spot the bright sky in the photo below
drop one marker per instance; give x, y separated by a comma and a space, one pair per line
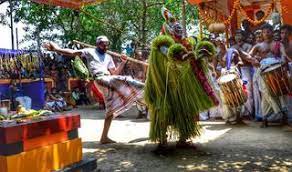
5, 32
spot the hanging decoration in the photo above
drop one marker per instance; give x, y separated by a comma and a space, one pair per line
217, 27
256, 22
215, 23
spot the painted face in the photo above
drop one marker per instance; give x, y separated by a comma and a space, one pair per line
177, 30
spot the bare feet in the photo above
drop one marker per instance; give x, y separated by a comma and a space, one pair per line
264, 124
106, 141
240, 122
141, 115
186, 145
161, 149
284, 122
227, 122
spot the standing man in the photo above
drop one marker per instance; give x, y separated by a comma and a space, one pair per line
119, 91
246, 71
268, 52
285, 32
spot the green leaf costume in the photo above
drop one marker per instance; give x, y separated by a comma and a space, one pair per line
174, 93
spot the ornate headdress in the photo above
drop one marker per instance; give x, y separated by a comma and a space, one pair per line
171, 26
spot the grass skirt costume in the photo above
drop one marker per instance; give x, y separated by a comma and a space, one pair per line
176, 90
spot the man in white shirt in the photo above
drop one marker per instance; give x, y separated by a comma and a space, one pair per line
119, 92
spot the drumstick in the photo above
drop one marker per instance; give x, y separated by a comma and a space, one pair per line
112, 53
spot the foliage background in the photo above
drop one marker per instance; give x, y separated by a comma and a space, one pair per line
137, 21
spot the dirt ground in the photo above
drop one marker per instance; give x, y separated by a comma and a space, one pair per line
220, 147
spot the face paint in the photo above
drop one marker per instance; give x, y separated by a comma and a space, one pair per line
176, 30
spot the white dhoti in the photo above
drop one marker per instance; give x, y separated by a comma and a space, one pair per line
272, 107
246, 76
289, 97
215, 112
257, 96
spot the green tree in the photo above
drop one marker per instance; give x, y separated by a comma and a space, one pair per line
121, 20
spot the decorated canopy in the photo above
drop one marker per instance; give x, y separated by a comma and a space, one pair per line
225, 9
73, 4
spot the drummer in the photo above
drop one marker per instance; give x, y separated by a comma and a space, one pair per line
246, 71
269, 52
231, 62
286, 33
119, 92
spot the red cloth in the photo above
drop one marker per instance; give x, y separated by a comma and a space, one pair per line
276, 49
200, 75
96, 92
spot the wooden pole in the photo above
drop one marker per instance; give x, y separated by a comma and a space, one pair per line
112, 53
184, 18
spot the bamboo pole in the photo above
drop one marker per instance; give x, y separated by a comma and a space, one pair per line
112, 53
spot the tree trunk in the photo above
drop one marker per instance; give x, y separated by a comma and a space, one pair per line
38, 40
11, 24
143, 24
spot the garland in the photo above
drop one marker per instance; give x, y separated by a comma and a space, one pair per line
236, 7
256, 22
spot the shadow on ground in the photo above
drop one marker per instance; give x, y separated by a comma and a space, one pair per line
220, 148
93, 113
242, 148
125, 157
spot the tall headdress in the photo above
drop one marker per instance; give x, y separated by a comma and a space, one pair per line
171, 26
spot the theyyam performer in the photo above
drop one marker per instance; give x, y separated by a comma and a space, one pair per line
177, 87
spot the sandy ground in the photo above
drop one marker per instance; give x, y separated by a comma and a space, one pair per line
220, 148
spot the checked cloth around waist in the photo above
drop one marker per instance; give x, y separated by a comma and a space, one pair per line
119, 92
